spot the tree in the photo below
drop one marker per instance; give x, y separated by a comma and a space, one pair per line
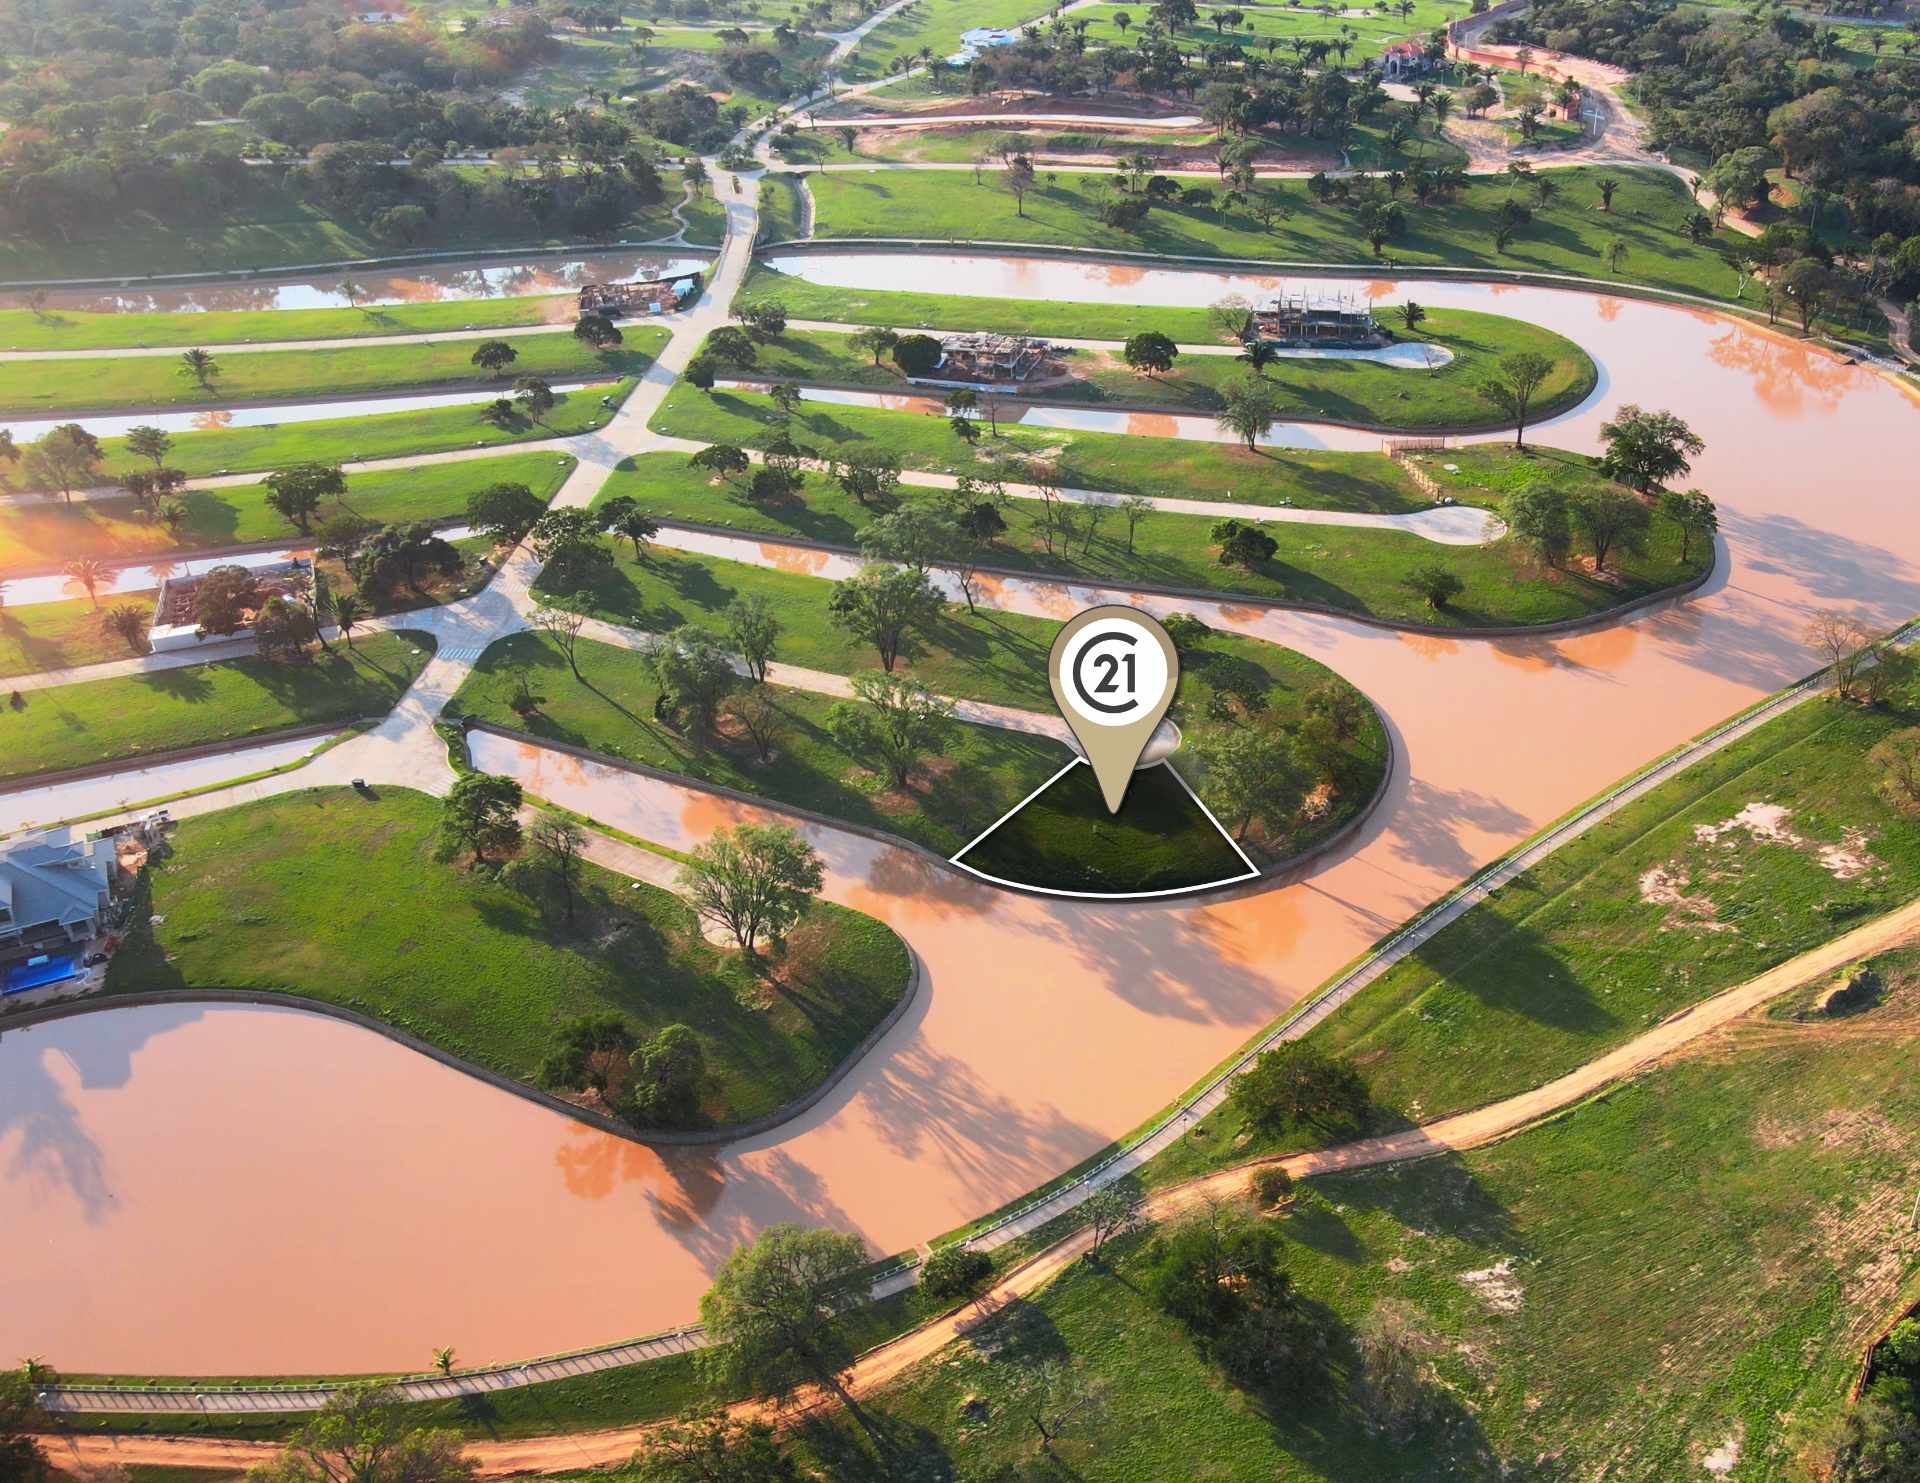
561, 621
585, 1052
1054, 1395
871, 477
1606, 185
480, 816
666, 1073
21, 1456
494, 356
1514, 383
1616, 254
700, 373
572, 544
1297, 1083
884, 605
64, 458
622, 516
895, 719
875, 341
1150, 352
598, 331
756, 881
1114, 1209
1242, 544
1611, 517
443, 1359
535, 397
1251, 774
149, 442
560, 844
296, 493
916, 355
504, 512
710, 1447
765, 319
1694, 514
733, 346
777, 1310
1645, 450
198, 366
722, 459
130, 621
395, 552
1391, 1387
361, 1436
223, 600
89, 575
694, 670
1249, 409
1538, 516
916, 536
348, 614
1133, 509
282, 630
1019, 179
1739, 178
754, 629
754, 713
1897, 758
1845, 646
1412, 315
1435, 583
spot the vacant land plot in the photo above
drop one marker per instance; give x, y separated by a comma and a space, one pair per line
114, 382
122, 720
356, 912
1571, 234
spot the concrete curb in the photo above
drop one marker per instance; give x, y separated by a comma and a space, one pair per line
1605, 618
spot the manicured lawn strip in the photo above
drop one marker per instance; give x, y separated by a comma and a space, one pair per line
81, 329
124, 719
1352, 391
899, 309
117, 381
988, 771
782, 214
1571, 959
1348, 569
1160, 840
1571, 235
359, 914
991, 656
235, 515
54, 635
1117, 463
1549, 1276
351, 439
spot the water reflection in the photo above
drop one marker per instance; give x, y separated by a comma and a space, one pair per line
417, 285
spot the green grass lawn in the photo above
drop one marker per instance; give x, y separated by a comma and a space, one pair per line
1695, 1260
1350, 570
1368, 34
1160, 840
1669, 901
352, 439
232, 515
1352, 391
356, 912
114, 382
1118, 463
125, 719
782, 214
1571, 235
80, 329
53, 635
984, 775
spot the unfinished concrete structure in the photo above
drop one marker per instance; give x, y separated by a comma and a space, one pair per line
986, 362
1295, 320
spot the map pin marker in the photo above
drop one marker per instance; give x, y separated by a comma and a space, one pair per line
1113, 670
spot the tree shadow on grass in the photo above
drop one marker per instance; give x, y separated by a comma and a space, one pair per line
188, 684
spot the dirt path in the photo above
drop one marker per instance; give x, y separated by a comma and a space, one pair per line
881, 1366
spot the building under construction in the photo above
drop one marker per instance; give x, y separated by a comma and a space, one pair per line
654, 296
1296, 320
982, 360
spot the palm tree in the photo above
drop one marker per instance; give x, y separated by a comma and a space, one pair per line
348, 614
443, 1359
1606, 185
90, 574
197, 365
1616, 255
1259, 354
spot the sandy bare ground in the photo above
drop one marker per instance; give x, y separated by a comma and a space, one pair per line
888, 1362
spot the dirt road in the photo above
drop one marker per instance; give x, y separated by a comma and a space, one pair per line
886, 1363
